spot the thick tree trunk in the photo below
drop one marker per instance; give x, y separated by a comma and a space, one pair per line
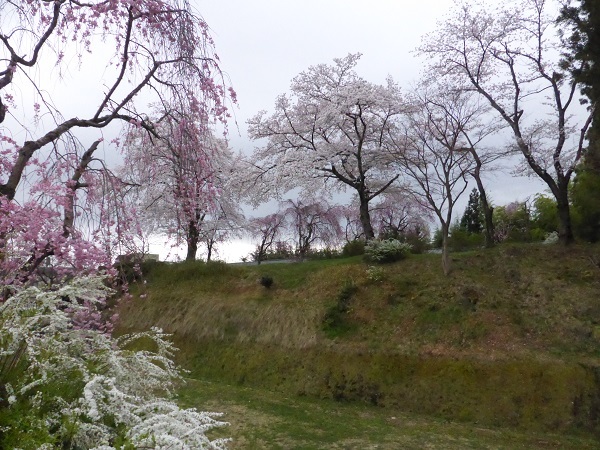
488, 214
193, 236
445, 256
565, 230
302, 253
365, 219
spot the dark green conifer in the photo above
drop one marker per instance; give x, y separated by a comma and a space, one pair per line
472, 219
581, 57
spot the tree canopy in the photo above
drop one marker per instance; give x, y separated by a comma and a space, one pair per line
70, 210
507, 55
328, 133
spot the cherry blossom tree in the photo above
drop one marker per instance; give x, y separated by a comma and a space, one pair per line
183, 187
507, 53
353, 229
470, 115
61, 205
328, 133
267, 229
429, 155
398, 215
312, 223
59, 200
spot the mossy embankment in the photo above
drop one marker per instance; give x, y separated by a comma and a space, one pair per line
510, 338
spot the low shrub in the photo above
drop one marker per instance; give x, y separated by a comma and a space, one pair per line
375, 274
66, 385
386, 251
266, 281
323, 253
334, 321
354, 248
461, 240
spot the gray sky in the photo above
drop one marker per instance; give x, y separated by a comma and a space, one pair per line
263, 44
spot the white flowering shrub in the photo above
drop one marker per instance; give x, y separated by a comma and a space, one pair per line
551, 238
386, 251
64, 386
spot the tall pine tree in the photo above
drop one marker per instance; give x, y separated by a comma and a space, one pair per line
472, 219
582, 58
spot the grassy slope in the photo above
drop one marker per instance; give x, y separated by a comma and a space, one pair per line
510, 338
260, 419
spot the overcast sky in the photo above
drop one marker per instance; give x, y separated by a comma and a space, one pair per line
263, 44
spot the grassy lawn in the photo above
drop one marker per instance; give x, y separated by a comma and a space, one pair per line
510, 339
262, 419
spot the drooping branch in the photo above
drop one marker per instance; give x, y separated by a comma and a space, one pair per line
36, 259
160, 48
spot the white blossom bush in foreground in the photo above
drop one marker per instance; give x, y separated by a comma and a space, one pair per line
64, 386
386, 251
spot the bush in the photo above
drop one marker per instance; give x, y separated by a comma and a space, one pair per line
386, 251
334, 321
419, 243
354, 248
266, 281
461, 240
67, 386
323, 253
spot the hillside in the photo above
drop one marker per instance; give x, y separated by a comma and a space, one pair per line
510, 338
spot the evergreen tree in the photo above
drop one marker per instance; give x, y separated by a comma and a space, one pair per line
472, 219
582, 58
585, 199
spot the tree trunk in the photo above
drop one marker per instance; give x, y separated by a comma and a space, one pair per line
193, 236
209, 248
488, 215
301, 253
365, 219
565, 230
488, 211
445, 257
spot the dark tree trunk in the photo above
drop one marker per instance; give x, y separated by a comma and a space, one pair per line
565, 230
488, 211
488, 215
445, 256
209, 248
193, 236
490, 231
302, 253
365, 219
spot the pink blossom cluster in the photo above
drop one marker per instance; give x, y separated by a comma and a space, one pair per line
63, 212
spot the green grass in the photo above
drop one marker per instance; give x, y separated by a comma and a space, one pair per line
262, 419
510, 338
